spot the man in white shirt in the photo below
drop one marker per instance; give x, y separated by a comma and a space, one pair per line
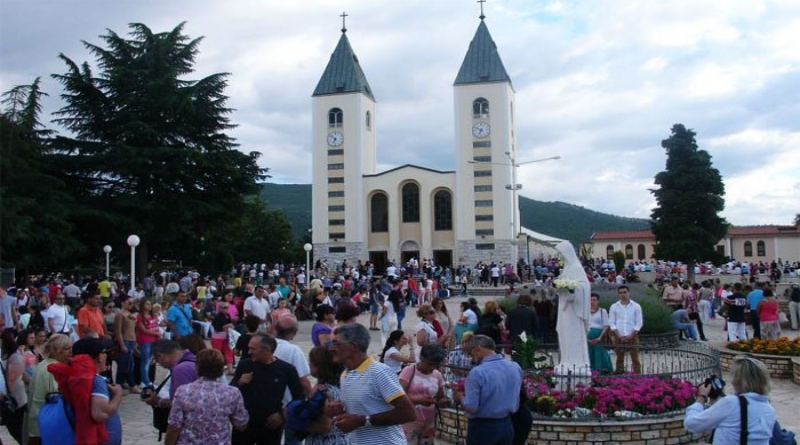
137, 293
625, 320
273, 297
258, 306
57, 316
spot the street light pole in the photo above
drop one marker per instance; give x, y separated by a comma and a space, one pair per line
107, 250
307, 247
133, 241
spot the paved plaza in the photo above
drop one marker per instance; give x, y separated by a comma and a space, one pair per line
137, 417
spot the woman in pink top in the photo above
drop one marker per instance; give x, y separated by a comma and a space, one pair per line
424, 385
768, 315
232, 311
147, 333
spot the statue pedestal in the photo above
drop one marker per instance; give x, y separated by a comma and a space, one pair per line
567, 376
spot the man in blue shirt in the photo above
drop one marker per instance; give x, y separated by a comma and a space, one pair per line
753, 298
491, 395
179, 317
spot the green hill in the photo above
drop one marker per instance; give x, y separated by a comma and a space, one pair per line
557, 219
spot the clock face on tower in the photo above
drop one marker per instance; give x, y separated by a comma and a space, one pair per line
480, 130
335, 138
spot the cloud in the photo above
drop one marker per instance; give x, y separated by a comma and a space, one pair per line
599, 83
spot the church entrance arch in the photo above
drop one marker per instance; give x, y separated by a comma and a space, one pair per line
409, 249
378, 260
443, 258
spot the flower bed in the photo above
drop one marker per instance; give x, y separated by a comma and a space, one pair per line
622, 397
779, 366
781, 346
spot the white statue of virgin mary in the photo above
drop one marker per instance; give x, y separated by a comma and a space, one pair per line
573, 316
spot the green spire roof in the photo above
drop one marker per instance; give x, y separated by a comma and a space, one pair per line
343, 73
482, 62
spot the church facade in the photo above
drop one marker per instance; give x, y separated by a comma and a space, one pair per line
456, 217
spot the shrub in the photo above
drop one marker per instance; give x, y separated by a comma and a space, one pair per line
656, 316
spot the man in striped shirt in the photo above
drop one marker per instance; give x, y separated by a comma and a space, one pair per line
373, 404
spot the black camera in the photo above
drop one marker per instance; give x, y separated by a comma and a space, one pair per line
716, 384
147, 392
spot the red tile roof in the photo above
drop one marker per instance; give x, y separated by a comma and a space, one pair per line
623, 234
737, 231
763, 230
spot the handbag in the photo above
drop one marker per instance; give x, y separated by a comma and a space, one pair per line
9, 404
161, 414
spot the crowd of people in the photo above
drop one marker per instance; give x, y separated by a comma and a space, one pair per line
236, 376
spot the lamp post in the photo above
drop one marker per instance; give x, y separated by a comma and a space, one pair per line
514, 187
307, 247
107, 250
133, 241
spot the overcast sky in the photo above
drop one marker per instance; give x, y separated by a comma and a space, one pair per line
599, 83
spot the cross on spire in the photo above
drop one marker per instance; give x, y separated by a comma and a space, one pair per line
481, 3
344, 15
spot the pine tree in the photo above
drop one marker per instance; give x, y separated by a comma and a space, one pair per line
150, 149
689, 197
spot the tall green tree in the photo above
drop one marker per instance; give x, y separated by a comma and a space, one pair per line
149, 149
689, 197
35, 233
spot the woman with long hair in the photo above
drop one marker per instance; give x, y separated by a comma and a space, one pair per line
321, 332
327, 372
391, 355
491, 322
25, 345
13, 368
57, 349
147, 333
598, 331
445, 322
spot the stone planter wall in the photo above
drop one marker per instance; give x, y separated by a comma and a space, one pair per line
796, 370
664, 431
779, 366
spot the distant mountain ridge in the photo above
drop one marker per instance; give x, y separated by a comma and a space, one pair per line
558, 219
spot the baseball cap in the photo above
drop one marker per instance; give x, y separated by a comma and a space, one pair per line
92, 346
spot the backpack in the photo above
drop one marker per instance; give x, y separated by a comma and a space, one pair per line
796, 294
301, 413
781, 436
56, 421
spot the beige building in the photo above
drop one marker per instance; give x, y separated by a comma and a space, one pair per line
742, 243
455, 217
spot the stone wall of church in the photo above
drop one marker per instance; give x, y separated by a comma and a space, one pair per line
470, 254
353, 253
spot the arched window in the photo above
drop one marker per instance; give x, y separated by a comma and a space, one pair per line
748, 248
410, 202
480, 108
609, 252
442, 210
761, 248
628, 252
640, 254
368, 120
335, 117
379, 213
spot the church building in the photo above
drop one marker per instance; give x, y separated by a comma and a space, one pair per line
456, 217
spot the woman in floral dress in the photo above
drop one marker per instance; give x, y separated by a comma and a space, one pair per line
203, 411
424, 385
